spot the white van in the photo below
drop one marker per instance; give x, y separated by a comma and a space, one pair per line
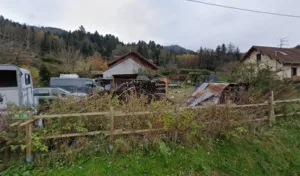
16, 85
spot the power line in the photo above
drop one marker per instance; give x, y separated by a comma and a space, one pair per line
242, 9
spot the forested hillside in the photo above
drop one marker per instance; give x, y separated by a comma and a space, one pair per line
80, 51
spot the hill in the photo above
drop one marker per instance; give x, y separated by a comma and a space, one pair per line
32, 47
52, 29
179, 50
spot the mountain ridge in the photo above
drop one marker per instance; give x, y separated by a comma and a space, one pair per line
179, 49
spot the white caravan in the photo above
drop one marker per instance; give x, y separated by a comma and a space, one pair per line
16, 85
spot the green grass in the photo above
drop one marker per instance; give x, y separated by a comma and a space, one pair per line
274, 151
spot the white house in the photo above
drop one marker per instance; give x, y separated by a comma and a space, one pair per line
284, 60
127, 65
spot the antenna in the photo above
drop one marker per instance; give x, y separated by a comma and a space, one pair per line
283, 42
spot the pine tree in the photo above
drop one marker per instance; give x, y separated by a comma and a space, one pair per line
237, 53
45, 75
223, 49
46, 43
218, 50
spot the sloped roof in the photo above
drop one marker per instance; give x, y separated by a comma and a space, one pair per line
205, 92
283, 55
139, 58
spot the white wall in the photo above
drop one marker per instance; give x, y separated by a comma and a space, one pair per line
128, 66
265, 60
273, 63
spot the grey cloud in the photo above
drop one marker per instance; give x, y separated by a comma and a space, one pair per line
165, 21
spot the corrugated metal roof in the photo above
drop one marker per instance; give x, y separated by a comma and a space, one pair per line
216, 88
207, 92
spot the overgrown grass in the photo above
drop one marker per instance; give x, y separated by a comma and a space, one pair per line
264, 151
181, 94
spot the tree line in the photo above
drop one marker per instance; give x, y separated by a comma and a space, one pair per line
19, 41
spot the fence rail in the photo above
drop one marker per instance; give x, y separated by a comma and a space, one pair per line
112, 114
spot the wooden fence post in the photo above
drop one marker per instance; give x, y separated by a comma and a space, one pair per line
228, 105
176, 111
29, 157
228, 112
271, 109
112, 126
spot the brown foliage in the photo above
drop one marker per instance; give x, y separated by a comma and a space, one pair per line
97, 63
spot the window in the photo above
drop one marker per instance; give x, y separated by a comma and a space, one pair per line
258, 57
294, 71
41, 92
57, 92
27, 79
89, 84
8, 78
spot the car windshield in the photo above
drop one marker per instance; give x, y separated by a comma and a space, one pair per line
65, 91
59, 92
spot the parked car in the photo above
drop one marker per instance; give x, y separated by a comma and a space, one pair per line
16, 85
84, 85
50, 93
103, 84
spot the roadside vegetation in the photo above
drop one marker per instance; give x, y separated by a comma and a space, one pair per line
209, 141
267, 151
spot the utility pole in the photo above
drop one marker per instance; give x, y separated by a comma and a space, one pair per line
283, 42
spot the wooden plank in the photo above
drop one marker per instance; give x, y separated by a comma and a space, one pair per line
289, 114
16, 123
224, 106
93, 133
120, 114
287, 101
249, 105
203, 107
271, 114
107, 133
29, 143
120, 132
112, 126
228, 112
176, 114
64, 115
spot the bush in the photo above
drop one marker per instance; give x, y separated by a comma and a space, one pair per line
51, 60
192, 125
260, 81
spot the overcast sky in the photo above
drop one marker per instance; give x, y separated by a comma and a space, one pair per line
167, 22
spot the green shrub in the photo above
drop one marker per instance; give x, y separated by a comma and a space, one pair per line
260, 81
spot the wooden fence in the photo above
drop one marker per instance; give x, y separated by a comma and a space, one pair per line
112, 114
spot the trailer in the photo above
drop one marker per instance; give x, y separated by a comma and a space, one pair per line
16, 86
